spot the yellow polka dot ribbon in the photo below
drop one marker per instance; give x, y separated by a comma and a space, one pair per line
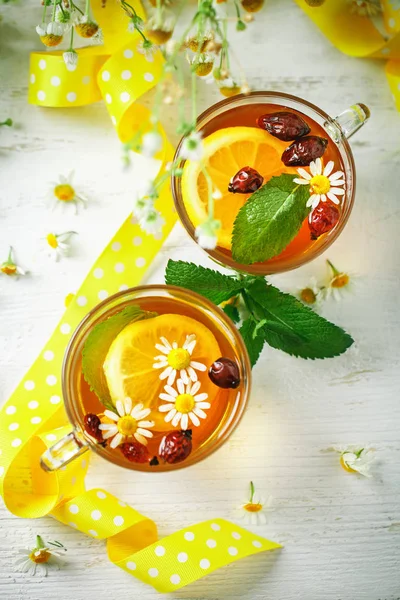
33, 419
363, 37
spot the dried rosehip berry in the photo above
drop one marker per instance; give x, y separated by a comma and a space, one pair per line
246, 181
224, 373
284, 125
304, 151
92, 423
322, 219
135, 452
176, 446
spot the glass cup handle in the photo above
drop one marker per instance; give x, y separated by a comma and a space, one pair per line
348, 122
62, 452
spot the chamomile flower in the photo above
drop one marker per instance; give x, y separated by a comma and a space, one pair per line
9, 266
312, 293
184, 404
176, 360
40, 559
365, 8
127, 422
229, 87
41, 29
153, 222
192, 147
86, 27
70, 58
206, 234
324, 185
63, 191
356, 459
252, 511
151, 143
148, 49
339, 283
55, 28
57, 244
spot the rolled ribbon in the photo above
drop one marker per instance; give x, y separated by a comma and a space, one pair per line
358, 36
33, 419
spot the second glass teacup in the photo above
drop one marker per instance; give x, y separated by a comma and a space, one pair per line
234, 140
137, 383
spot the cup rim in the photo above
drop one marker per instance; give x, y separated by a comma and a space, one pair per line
226, 260
196, 300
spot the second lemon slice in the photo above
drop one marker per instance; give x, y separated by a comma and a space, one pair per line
226, 152
129, 364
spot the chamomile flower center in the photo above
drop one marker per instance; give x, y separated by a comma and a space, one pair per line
64, 192
40, 555
52, 240
253, 507
185, 403
127, 425
178, 358
345, 465
308, 296
320, 184
9, 269
340, 281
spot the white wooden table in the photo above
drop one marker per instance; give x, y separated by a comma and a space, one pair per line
341, 533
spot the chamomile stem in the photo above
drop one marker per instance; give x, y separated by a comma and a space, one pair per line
87, 7
194, 98
334, 269
53, 17
71, 40
44, 12
252, 490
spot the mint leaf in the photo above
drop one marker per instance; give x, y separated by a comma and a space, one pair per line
213, 285
292, 327
232, 312
253, 340
97, 345
269, 220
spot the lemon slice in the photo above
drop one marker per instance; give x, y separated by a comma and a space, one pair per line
129, 369
226, 152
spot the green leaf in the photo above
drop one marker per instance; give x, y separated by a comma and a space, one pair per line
98, 343
269, 220
213, 285
253, 340
232, 312
292, 327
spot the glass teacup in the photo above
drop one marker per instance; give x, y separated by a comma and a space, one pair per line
243, 111
180, 324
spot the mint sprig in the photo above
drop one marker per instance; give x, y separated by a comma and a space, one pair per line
270, 316
97, 345
269, 220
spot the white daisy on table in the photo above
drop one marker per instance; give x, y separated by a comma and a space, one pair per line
324, 185
184, 404
339, 282
63, 191
253, 509
9, 267
175, 359
356, 459
57, 244
312, 293
38, 560
127, 423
